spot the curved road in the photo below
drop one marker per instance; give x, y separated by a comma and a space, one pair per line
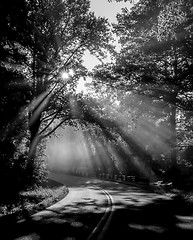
96, 209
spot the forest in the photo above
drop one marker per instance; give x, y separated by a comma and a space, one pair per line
136, 116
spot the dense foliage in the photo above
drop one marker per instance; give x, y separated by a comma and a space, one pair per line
138, 112
153, 71
39, 40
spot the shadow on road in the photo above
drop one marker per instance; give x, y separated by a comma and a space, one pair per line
53, 224
158, 219
137, 214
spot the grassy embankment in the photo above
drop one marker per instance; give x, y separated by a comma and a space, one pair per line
35, 200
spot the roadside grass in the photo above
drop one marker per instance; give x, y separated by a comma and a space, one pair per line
35, 200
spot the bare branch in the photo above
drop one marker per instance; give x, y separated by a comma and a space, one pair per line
47, 117
54, 117
72, 54
54, 129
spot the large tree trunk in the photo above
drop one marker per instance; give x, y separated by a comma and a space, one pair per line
173, 136
34, 128
173, 103
174, 171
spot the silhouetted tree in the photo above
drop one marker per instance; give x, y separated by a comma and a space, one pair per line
40, 40
155, 58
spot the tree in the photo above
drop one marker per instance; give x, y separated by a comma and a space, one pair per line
107, 138
155, 60
71, 29
40, 40
15, 93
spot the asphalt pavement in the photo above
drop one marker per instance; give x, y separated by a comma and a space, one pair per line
136, 213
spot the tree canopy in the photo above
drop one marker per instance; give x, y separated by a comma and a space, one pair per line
155, 62
139, 106
39, 41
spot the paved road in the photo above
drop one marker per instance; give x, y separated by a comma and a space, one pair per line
136, 213
139, 213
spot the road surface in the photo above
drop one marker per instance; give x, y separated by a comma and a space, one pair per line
96, 209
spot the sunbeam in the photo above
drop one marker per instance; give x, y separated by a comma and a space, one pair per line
108, 140
67, 151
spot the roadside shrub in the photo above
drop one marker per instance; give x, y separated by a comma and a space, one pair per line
15, 174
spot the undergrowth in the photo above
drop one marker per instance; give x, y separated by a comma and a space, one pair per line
34, 200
